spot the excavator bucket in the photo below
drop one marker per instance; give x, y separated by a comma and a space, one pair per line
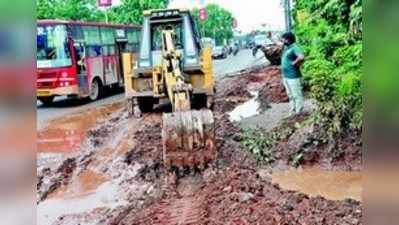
188, 138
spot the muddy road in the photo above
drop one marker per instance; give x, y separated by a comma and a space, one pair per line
111, 172
64, 106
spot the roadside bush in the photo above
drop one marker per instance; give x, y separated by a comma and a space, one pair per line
330, 31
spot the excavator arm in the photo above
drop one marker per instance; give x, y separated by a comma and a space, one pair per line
188, 135
177, 89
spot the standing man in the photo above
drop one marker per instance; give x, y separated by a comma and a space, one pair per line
291, 62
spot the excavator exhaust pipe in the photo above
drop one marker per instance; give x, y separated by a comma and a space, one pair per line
188, 138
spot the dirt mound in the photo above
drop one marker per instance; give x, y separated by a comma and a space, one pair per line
345, 153
237, 195
273, 54
273, 91
296, 142
234, 90
231, 92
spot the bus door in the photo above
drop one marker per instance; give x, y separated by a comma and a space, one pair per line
81, 69
121, 47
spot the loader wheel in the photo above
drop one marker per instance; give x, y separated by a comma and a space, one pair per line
146, 104
46, 100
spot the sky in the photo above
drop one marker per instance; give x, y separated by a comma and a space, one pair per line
250, 14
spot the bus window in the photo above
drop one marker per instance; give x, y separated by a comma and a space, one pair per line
77, 33
107, 36
111, 50
52, 47
91, 35
133, 40
105, 50
94, 50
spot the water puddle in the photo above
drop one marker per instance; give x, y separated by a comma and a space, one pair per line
105, 195
87, 192
247, 109
333, 185
66, 134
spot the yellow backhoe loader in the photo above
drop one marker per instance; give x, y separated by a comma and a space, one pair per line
172, 64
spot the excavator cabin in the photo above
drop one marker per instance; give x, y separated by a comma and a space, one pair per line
142, 83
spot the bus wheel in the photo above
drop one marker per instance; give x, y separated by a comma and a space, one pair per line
96, 90
146, 104
46, 100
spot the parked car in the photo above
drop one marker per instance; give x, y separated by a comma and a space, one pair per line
219, 52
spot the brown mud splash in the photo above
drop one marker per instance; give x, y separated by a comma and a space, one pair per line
65, 135
333, 185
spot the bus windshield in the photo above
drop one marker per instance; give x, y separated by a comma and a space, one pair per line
52, 47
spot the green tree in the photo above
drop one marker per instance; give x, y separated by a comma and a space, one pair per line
330, 31
85, 10
44, 9
131, 11
218, 24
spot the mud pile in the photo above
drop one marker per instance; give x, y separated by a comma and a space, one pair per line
273, 54
235, 89
345, 153
238, 195
235, 191
273, 90
230, 92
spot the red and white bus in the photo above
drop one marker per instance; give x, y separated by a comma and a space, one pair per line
79, 59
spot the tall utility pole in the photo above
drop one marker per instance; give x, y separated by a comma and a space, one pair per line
288, 16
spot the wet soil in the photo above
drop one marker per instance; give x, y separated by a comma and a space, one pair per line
118, 178
344, 153
273, 90
66, 134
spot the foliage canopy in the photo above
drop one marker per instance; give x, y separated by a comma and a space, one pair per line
218, 24
330, 31
128, 12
